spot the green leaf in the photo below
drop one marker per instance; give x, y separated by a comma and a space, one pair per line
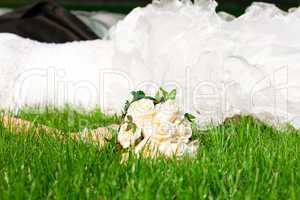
164, 93
172, 95
138, 95
189, 117
127, 104
130, 125
157, 95
129, 118
128, 128
134, 127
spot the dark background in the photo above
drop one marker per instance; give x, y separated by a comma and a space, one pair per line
235, 7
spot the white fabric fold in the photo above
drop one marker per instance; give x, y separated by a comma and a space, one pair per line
220, 65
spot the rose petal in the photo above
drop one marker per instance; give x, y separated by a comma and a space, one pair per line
128, 138
140, 108
141, 145
167, 111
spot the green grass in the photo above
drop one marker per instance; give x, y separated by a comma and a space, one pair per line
242, 159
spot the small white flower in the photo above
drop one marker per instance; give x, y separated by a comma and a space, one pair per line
128, 138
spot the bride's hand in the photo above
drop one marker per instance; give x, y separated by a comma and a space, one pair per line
98, 136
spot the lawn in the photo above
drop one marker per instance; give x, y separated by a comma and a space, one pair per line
241, 159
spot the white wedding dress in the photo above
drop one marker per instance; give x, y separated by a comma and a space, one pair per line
219, 64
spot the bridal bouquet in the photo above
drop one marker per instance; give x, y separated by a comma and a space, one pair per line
154, 126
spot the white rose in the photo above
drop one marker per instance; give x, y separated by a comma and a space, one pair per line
192, 148
146, 148
178, 149
165, 149
170, 149
128, 138
173, 132
150, 128
141, 145
165, 131
167, 111
141, 110
184, 132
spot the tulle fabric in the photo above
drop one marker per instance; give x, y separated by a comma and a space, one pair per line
220, 65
